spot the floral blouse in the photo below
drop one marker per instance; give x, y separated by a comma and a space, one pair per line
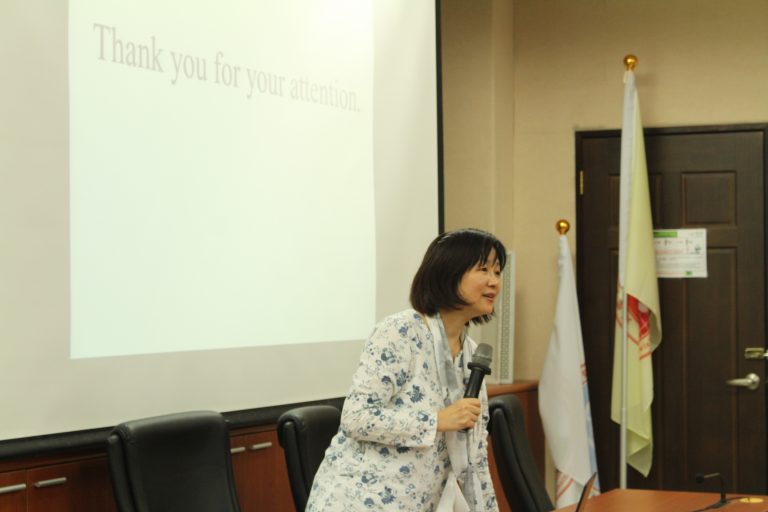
387, 454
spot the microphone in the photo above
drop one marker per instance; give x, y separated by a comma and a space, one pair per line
700, 477
480, 367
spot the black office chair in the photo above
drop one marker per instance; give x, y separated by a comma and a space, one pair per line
173, 463
520, 478
305, 433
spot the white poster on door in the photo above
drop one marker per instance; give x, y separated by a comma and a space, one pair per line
680, 253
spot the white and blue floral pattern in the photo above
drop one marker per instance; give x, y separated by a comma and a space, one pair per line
387, 454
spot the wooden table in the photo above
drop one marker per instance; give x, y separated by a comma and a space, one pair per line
641, 500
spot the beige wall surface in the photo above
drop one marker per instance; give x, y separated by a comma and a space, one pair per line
467, 87
520, 77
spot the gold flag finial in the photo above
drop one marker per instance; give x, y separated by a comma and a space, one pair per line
630, 61
562, 226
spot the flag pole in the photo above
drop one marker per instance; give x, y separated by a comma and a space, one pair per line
630, 61
623, 430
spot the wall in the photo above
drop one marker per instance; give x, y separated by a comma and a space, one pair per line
478, 122
520, 77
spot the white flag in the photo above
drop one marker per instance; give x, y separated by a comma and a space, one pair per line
563, 392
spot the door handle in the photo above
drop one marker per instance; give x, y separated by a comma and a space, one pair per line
751, 382
755, 353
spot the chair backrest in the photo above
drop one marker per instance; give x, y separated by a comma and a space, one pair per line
176, 462
305, 433
520, 478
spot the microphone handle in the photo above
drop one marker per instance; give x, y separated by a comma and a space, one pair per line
474, 384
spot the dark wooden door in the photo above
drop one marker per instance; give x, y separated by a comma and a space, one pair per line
709, 178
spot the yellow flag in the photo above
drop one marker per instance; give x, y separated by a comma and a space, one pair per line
637, 277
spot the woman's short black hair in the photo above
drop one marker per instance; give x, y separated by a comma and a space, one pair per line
436, 284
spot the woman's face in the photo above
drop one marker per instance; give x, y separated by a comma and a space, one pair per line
480, 286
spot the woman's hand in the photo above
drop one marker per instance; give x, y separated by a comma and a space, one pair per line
459, 415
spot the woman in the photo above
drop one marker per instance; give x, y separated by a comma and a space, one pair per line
407, 439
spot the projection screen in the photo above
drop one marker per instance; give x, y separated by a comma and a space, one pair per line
205, 206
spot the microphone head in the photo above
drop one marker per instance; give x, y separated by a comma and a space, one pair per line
483, 355
700, 477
